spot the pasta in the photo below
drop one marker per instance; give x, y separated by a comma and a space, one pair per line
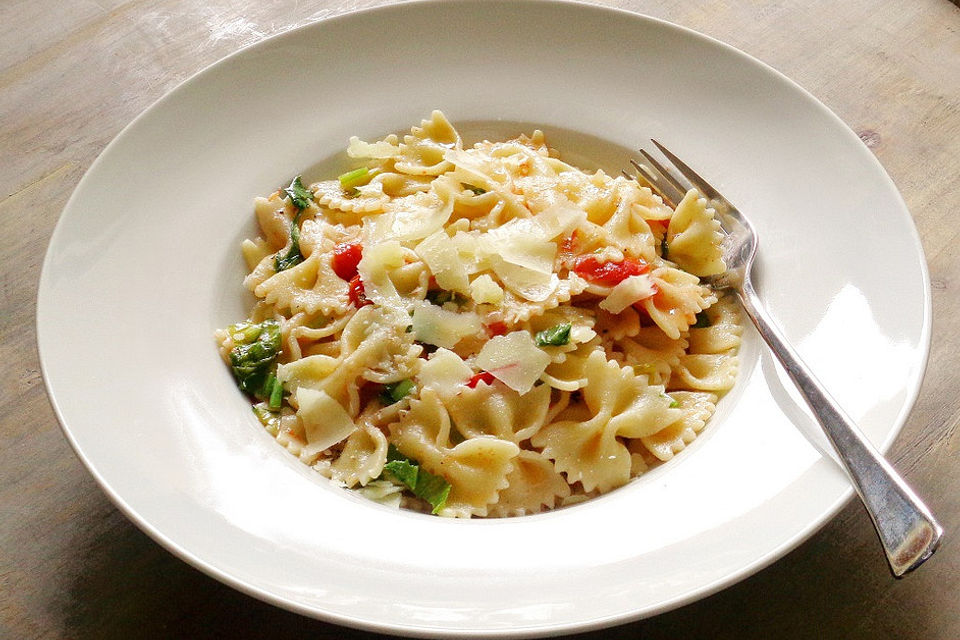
481, 331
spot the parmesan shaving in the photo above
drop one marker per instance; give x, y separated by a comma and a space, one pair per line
326, 423
443, 328
374, 270
444, 372
484, 290
560, 219
521, 242
305, 372
532, 285
629, 291
440, 253
514, 359
417, 216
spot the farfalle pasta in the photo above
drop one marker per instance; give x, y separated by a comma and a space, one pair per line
481, 330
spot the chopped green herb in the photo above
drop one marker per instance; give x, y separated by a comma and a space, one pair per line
477, 190
396, 391
244, 332
673, 403
252, 361
556, 336
293, 256
703, 321
353, 179
425, 485
664, 249
263, 414
274, 391
299, 195
267, 418
440, 297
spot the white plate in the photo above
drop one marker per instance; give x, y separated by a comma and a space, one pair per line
144, 264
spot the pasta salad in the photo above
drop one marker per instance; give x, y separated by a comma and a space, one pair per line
481, 331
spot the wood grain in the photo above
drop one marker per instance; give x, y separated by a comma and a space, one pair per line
73, 74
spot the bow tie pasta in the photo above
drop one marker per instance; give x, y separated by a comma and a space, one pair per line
481, 331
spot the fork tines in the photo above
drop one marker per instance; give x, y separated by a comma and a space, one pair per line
692, 176
655, 176
673, 184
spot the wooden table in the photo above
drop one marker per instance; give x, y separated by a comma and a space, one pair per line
73, 74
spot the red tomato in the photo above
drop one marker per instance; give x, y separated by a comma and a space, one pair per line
497, 328
357, 296
608, 273
346, 257
483, 376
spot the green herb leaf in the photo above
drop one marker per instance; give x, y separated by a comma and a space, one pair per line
394, 454
425, 485
267, 389
440, 297
299, 195
703, 321
396, 391
477, 190
293, 256
664, 249
252, 362
433, 489
403, 471
556, 336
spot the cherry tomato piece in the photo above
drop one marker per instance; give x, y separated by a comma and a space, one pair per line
483, 376
608, 273
497, 328
346, 257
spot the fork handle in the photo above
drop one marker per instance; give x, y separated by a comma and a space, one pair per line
908, 532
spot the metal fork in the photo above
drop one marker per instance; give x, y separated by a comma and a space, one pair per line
908, 532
